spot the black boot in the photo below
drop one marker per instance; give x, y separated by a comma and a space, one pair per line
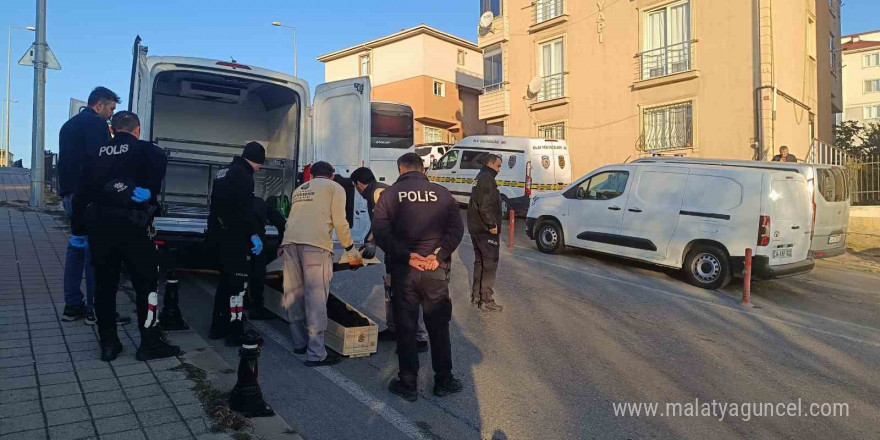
259, 313
410, 393
110, 345
218, 331
446, 386
235, 330
154, 346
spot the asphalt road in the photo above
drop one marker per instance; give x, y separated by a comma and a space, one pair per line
580, 332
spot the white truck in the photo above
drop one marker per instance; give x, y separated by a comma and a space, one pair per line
202, 112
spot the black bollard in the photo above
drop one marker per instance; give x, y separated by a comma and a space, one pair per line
246, 397
170, 318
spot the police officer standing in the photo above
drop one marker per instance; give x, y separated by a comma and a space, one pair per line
265, 214
365, 183
484, 218
113, 207
418, 225
233, 233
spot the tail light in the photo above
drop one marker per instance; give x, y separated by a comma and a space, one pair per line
529, 178
159, 242
764, 230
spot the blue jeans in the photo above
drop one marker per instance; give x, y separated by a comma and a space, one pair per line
77, 261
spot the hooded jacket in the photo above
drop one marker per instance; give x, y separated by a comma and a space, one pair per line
484, 208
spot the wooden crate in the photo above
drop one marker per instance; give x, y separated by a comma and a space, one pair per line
353, 341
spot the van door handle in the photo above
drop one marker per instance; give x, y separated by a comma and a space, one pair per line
795, 227
634, 210
614, 208
453, 172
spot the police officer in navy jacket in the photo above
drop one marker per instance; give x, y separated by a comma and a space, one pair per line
418, 225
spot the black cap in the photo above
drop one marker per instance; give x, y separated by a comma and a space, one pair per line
254, 152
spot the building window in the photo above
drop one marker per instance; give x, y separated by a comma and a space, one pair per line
547, 10
552, 70
871, 111
833, 52
552, 131
871, 60
872, 85
668, 127
667, 41
493, 6
433, 134
439, 88
492, 70
365, 65
461, 55
811, 37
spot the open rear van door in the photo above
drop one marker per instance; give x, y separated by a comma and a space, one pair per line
341, 121
341, 137
139, 74
790, 217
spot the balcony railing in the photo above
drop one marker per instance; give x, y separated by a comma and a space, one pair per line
545, 10
669, 60
553, 87
667, 128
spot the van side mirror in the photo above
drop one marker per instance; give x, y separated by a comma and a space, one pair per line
434, 165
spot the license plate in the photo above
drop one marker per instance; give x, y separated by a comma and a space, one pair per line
834, 238
781, 253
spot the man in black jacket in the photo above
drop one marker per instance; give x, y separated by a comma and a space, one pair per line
484, 218
82, 133
418, 225
112, 206
233, 232
370, 189
265, 214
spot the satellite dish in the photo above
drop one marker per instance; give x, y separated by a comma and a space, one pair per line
486, 19
535, 86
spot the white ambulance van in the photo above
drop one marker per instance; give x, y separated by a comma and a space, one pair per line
694, 217
529, 167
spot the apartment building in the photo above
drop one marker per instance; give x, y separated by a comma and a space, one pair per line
621, 79
438, 74
861, 77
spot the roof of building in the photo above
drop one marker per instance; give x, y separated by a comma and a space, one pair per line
402, 35
858, 45
862, 33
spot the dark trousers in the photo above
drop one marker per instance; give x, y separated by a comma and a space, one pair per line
486, 254
430, 290
257, 280
234, 268
114, 243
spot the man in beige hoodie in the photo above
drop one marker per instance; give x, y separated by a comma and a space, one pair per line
317, 208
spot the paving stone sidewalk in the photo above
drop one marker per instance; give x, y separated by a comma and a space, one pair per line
52, 383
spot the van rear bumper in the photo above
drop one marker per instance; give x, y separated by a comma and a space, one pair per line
520, 204
828, 253
762, 270
530, 227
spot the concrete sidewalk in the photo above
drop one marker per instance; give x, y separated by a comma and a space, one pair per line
52, 383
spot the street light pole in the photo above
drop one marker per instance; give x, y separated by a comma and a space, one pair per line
8, 88
39, 130
278, 23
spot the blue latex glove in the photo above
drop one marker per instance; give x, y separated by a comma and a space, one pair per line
79, 241
141, 195
258, 245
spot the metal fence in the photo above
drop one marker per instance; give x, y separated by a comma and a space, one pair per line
553, 87
665, 61
863, 171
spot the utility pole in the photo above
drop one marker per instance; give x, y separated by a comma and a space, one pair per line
39, 130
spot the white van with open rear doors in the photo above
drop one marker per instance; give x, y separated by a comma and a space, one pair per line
528, 167
201, 112
694, 217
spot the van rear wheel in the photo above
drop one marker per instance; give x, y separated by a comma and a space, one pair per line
548, 237
707, 266
505, 207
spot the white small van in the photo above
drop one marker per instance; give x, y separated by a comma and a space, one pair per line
694, 217
529, 167
829, 191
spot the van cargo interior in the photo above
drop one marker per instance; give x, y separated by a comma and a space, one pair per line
202, 120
